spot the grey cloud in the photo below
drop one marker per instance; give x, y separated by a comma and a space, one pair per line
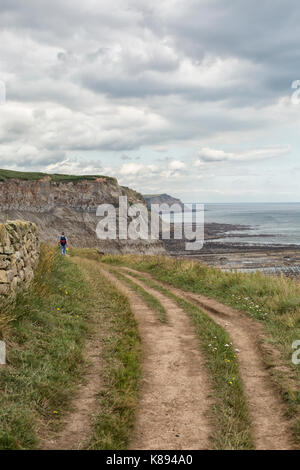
85, 78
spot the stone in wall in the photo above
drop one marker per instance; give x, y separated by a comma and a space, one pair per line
19, 254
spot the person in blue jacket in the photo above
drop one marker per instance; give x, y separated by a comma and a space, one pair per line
63, 243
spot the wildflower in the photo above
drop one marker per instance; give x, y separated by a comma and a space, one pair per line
230, 383
66, 292
228, 360
55, 412
226, 345
58, 309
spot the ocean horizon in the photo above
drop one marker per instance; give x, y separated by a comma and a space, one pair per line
264, 223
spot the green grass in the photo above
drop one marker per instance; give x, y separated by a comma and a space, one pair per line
229, 411
46, 354
118, 399
272, 301
152, 302
34, 176
45, 360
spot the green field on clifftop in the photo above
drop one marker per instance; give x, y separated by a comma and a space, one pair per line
34, 176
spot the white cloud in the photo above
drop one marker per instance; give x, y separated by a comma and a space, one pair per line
208, 155
176, 165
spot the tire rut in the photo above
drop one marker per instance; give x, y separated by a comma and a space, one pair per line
175, 395
267, 411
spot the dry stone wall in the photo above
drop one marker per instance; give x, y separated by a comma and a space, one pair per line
19, 253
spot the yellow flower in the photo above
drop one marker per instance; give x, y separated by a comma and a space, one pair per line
227, 360
230, 383
66, 292
55, 412
58, 309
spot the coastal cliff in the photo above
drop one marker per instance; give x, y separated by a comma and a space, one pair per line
68, 203
162, 199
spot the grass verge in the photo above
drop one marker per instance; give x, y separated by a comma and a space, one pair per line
229, 411
45, 339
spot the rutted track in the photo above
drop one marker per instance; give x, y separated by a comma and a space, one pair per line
78, 424
270, 428
175, 395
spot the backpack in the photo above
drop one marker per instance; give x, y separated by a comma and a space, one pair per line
63, 241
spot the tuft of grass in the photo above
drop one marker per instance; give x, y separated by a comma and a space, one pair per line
152, 302
45, 352
85, 253
229, 410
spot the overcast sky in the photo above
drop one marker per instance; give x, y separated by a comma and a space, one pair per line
187, 97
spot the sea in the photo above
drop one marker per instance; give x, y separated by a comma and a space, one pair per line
275, 224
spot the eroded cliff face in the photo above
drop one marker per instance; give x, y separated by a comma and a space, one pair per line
70, 206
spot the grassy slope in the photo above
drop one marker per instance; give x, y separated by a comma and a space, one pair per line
45, 333
274, 302
33, 176
44, 352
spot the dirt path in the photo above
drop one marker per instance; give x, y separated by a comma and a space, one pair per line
77, 428
174, 401
270, 428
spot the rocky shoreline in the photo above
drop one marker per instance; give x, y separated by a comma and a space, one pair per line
271, 259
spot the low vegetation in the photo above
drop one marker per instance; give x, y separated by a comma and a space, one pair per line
44, 331
272, 301
34, 176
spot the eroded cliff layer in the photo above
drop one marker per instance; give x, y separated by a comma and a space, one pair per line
59, 203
